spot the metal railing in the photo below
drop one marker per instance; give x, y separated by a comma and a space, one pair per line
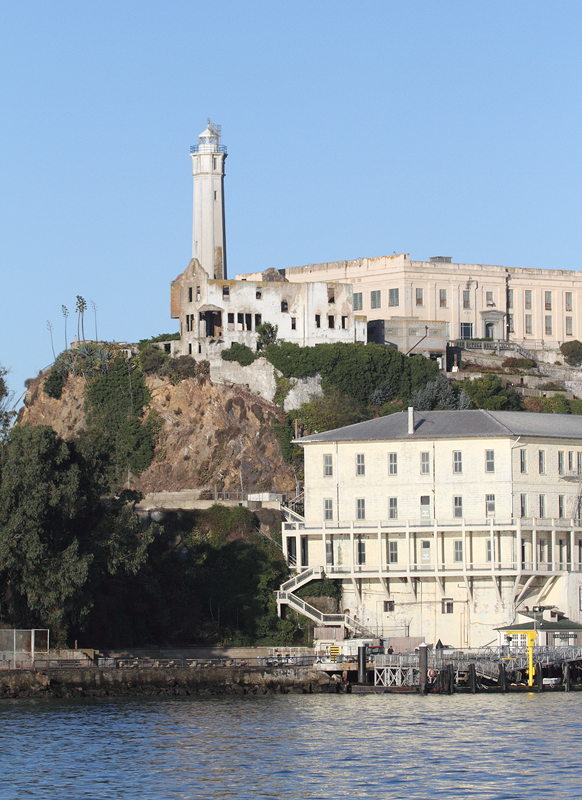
212, 148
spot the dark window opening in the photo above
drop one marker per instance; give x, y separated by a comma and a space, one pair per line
259, 294
317, 321
240, 322
189, 294
258, 318
168, 346
225, 291
284, 305
293, 323
388, 606
199, 348
344, 323
197, 293
248, 322
190, 348
331, 295
331, 321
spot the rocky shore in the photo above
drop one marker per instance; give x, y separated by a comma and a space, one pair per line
167, 682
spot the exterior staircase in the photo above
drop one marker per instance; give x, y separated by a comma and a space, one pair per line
286, 597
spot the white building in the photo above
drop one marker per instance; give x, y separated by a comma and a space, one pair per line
535, 308
446, 524
215, 312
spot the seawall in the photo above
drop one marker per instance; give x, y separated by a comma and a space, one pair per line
166, 682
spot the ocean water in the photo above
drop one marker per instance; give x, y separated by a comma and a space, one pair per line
293, 746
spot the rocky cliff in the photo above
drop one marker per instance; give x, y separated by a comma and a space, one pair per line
213, 435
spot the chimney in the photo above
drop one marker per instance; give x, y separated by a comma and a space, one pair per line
410, 419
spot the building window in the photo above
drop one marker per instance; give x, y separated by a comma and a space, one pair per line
489, 460
489, 505
225, 292
543, 550
510, 298
376, 299
542, 499
523, 505
457, 507
293, 323
560, 462
393, 297
344, 323
388, 606
189, 294
327, 466
190, 348
569, 327
457, 461
425, 506
230, 320
488, 551
360, 551
443, 298
542, 462
392, 508
466, 330
528, 323
330, 294
561, 506
489, 298
466, 298
360, 464
284, 305
419, 297
568, 301
329, 551
327, 509
258, 320
570, 460
360, 508
330, 321
318, 321
579, 463
425, 463
447, 606
392, 463
523, 462
528, 298
548, 326
393, 552
458, 551
510, 323
357, 301
548, 303
258, 294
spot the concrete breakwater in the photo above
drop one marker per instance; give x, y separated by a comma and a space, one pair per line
167, 682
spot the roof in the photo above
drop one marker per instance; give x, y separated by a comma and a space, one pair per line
542, 625
456, 424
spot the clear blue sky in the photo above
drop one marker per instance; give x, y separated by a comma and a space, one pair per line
353, 129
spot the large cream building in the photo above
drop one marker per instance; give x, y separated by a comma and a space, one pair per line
444, 523
535, 308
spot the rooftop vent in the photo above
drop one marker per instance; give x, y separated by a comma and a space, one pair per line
441, 259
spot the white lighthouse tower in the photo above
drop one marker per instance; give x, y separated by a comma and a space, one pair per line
208, 230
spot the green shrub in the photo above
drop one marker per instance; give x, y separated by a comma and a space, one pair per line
572, 352
54, 384
240, 353
152, 359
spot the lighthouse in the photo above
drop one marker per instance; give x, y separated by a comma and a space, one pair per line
208, 228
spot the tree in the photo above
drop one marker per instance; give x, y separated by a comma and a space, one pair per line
65, 311
572, 352
267, 334
441, 395
6, 414
488, 392
57, 539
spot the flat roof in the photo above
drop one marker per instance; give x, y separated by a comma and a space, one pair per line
454, 425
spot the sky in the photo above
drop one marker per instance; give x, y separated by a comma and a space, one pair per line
353, 130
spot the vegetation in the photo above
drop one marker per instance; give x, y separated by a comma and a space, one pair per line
441, 395
572, 352
240, 353
519, 363
267, 334
488, 392
161, 337
155, 361
6, 414
54, 384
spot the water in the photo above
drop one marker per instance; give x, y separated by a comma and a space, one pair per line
293, 746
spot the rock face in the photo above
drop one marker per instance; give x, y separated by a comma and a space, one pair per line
212, 434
